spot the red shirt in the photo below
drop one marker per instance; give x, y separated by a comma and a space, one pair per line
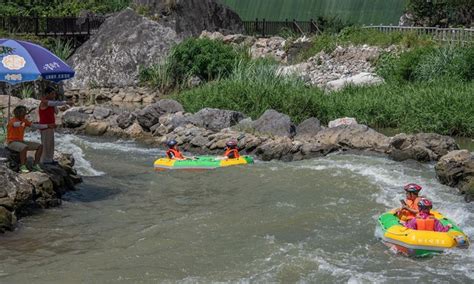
46, 116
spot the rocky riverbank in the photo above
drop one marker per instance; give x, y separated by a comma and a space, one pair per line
21, 194
273, 136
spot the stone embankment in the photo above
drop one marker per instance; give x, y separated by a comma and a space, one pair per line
273, 136
20, 194
350, 65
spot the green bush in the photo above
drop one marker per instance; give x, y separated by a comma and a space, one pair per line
429, 64
205, 58
208, 59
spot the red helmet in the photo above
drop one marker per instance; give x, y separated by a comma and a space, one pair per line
412, 187
231, 144
425, 204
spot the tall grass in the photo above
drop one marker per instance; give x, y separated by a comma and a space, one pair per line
62, 49
445, 107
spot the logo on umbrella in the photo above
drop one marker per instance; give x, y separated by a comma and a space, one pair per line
6, 50
13, 62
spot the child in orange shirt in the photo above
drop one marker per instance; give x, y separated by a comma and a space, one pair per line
15, 138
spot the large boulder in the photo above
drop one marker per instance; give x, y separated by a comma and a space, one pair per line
354, 137
455, 168
125, 119
150, 115
274, 123
191, 17
74, 117
307, 129
17, 189
423, 147
96, 128
114, 54
216, 119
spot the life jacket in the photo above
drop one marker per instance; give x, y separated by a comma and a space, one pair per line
232, 153
427, 224
412, 205
174, 154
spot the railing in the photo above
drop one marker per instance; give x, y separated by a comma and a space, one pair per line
49, 26
440, 34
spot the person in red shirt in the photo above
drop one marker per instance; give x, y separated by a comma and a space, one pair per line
15, 138
231, 150
48, 108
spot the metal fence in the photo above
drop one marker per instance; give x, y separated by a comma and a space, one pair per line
51, 26
441, 34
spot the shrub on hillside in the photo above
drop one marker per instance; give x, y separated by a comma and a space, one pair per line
428, 64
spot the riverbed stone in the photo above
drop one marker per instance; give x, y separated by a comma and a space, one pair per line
150, 115
307, 129
45, 195
74, 117
101, 112
455, 168
125, 119
96, 128
6, 219
274, 123
216, 119
421, 147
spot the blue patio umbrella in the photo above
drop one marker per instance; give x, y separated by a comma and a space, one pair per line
22, 61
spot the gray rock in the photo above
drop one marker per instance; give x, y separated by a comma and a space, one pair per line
101, 112
6, 219
73, 118
308, 129
18, 189
216, 119
96, 128
357, 137
274, 123
125, 41
361, 79
150, 115
455, 168
191, 17
125, 119
421, 147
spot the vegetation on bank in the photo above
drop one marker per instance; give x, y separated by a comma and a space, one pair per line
59, 8
429, 87
445, 106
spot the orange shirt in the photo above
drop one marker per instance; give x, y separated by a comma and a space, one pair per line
17, 133
412, 204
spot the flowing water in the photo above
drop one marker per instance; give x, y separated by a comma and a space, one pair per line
309, 221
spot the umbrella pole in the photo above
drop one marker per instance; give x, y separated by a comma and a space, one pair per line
9, 102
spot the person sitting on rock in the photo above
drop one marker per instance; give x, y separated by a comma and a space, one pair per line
231, 150
15, 138
424, 220
410, 204
173, 153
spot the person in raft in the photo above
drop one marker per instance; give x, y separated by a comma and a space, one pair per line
410, 204
231, 150
424, 220
15, 138
48, 108
173, 153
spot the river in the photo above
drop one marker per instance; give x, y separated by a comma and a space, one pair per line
309, 221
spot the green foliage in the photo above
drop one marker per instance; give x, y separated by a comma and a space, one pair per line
444, 106
428, 64
159, 76
442, 12
59, 8
62, 49
205, 58
26, 92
